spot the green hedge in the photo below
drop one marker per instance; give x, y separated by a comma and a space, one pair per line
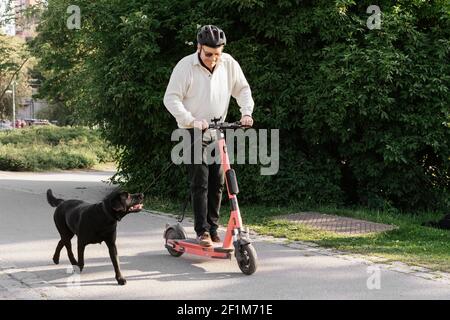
363, 114
47, 148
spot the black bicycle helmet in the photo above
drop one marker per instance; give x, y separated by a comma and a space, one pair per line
211, 36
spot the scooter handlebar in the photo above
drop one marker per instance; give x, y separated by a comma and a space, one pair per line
227, 125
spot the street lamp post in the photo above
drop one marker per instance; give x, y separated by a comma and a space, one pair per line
14, 102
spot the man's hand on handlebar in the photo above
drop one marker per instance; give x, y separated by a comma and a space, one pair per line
200, 124
246, 121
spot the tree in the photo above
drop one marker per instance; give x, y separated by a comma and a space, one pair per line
363, 113
14, 61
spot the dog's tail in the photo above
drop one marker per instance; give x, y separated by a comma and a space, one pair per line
54, 202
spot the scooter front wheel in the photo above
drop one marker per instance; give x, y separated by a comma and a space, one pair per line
246, 258
173, 234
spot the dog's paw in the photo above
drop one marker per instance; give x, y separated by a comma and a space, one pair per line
122, 281
56, 260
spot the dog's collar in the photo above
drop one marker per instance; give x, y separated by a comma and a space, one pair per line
105, 211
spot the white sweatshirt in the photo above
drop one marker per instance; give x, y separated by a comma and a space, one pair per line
193, 93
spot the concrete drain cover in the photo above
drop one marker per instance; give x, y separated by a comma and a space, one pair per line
337, 224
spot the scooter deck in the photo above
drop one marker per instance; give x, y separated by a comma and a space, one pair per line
216, 246
192, 246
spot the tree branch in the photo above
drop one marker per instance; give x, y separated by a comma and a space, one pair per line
12, 78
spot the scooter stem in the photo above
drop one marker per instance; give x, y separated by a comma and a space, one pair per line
235, 221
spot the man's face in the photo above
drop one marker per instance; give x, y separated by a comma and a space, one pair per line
210, 56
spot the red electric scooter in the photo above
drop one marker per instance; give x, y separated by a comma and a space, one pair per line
236, 238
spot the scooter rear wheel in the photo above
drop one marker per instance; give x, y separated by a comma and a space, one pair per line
173, 234
247, 259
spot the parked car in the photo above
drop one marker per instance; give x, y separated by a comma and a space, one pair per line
29, 122
37, 122
41, 122
5, 126
20, 123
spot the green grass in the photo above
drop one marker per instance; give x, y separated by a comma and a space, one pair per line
51, 147
409, 243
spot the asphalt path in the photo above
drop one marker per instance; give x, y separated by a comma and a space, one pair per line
28, 239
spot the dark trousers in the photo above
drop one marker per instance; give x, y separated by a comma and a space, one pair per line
206, 184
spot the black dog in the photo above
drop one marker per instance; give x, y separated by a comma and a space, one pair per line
92, 223
444, 223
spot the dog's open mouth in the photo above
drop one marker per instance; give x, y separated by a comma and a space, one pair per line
136, 207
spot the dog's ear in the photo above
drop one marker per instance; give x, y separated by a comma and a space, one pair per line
118, 202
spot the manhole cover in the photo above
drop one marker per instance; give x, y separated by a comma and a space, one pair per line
337, 224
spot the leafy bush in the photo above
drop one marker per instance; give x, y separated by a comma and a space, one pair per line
9, 162
46, 148
363, 114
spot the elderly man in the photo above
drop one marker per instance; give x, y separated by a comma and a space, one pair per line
199, 90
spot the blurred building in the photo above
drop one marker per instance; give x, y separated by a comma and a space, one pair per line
16, 19
25, 26
7, 18
29, 108
19, 23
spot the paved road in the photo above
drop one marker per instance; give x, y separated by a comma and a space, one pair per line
28, 238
